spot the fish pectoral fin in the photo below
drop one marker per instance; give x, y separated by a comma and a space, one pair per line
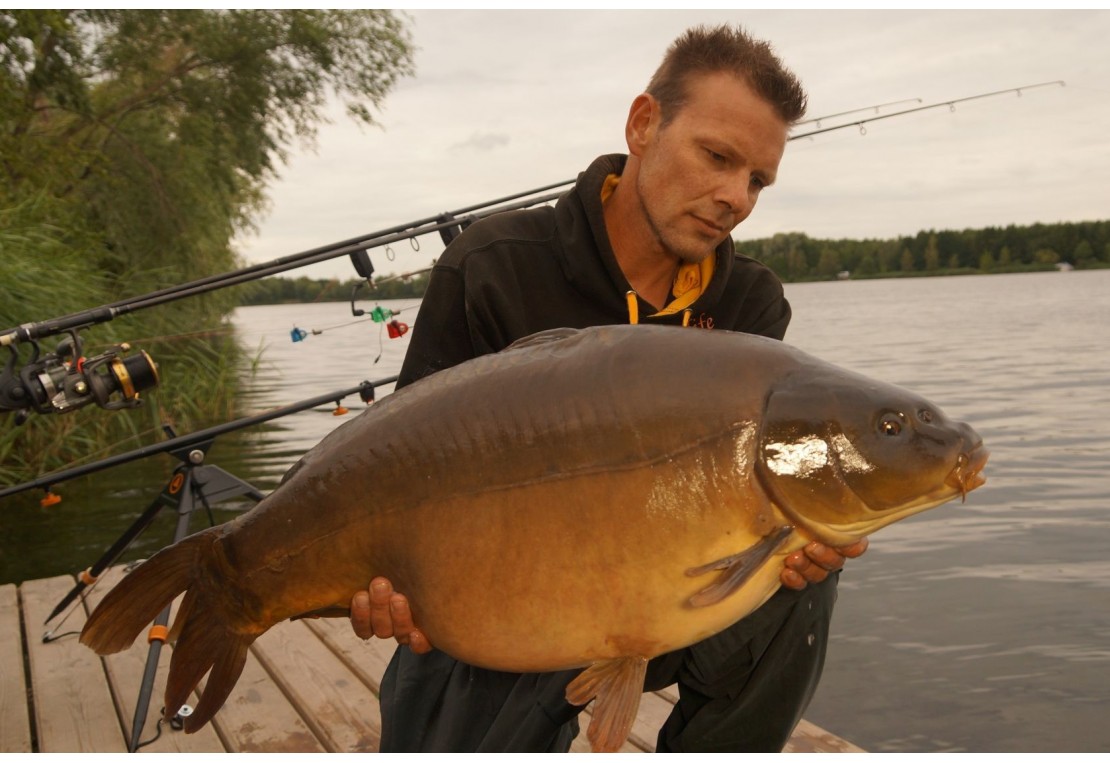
738, 568
617, 685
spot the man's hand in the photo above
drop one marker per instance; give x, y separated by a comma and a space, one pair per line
814, 563
380, 611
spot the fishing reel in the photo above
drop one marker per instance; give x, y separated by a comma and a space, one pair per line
63, 380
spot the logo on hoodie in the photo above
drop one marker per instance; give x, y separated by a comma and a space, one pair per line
703, 321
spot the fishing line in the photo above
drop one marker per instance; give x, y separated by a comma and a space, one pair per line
176, 337
404, 276
157, 730
380, 315
113, 446
177, 723
50, 635
317, 332
381, 346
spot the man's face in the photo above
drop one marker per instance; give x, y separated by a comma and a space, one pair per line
701, 174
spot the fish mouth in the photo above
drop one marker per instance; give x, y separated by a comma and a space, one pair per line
964, 477
967, 475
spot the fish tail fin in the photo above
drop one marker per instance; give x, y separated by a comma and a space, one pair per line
142, 594
617, 684
205, 645
210, 631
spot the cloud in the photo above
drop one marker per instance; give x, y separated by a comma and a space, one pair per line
504, 101
483, 141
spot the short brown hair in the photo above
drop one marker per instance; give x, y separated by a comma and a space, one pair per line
724, 48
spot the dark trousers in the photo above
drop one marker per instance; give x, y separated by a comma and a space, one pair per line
742, 690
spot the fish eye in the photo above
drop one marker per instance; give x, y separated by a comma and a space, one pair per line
890, 425
925, 415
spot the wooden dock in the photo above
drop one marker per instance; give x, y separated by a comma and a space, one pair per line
308, 686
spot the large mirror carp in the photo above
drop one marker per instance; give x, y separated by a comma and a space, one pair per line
588, 498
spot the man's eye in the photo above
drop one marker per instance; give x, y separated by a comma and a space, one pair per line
718, 158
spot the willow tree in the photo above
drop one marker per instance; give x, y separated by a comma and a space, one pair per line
135, 145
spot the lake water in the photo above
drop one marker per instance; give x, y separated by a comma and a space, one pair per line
982, 626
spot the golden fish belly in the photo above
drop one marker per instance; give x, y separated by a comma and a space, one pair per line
563, 572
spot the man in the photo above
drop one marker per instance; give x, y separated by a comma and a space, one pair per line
642, 238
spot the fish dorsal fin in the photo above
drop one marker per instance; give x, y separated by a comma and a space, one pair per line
738, 568
617, 684
542, 337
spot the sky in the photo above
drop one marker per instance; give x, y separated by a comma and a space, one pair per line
505, 101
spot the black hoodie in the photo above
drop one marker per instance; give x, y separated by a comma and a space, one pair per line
516, 273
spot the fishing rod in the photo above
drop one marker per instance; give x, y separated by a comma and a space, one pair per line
950, 104
365, 391
446, 221
212, 483
875, 108
65, 380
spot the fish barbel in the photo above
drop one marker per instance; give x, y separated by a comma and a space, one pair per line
586, 498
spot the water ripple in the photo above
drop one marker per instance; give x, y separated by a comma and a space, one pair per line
1094, 574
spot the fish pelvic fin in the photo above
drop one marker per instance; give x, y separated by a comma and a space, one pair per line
738, 568
617, 685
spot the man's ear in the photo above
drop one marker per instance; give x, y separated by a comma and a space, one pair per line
644, 117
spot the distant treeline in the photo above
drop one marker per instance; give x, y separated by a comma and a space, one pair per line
276, 291
797, 257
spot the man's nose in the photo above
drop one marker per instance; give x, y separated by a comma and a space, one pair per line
737, 196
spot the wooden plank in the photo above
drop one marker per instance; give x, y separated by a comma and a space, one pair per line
582, 744
15, 724
125, 672
258, 717
341, 710
653, 713
73, 708
366, 659
809, 737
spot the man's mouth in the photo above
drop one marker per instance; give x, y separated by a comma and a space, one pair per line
710, 226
